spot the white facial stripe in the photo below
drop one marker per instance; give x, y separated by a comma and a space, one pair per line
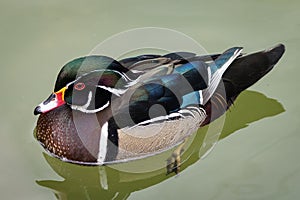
72, 82
124, 76
85, 106
103, 143
91, 111
75, 107
116, 92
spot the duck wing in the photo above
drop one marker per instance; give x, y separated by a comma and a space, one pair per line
159, 96
161, 93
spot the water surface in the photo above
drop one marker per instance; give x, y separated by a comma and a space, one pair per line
257, 160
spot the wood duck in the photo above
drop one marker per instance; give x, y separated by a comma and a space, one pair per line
106, 111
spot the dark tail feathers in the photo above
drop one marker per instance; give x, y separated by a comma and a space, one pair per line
241, 74
248, 69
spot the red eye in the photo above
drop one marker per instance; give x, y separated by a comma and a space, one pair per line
79, 86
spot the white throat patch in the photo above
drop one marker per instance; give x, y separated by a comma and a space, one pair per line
85, 106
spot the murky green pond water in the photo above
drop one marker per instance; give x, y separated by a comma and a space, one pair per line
259, 160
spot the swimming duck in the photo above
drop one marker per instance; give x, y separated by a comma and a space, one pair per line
106, 111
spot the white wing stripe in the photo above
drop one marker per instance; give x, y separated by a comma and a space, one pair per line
216, 77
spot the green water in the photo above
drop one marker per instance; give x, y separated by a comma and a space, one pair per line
259, 160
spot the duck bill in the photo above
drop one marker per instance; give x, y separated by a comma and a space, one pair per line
55, 100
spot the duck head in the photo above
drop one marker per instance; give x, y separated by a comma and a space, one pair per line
87, 84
